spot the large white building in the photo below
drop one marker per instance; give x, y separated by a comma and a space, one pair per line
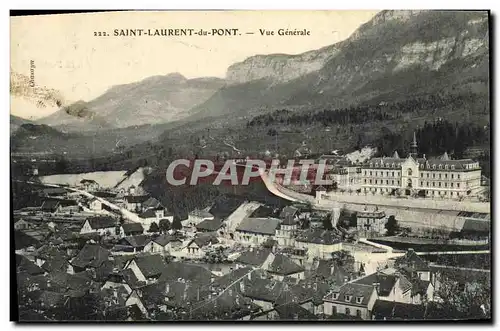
437, 177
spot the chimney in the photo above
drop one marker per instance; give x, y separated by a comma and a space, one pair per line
167, 288
377, 286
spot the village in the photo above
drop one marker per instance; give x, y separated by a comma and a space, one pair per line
89, 252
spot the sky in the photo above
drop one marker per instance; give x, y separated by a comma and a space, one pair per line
68, 57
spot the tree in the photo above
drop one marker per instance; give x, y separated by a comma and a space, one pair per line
391, 226
176, 223
327, 222
154, 227
164, 225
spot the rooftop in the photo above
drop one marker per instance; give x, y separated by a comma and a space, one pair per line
266, 226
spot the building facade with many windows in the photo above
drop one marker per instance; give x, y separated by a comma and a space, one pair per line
440, 177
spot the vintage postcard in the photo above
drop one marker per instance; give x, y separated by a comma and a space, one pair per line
250, 166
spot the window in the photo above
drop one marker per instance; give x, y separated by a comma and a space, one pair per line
427, 175
347, 311
335, 296
458, 176
334, 309
434, 166
452, 176
446, 176
452, 167
446, 167
458, 185
409, 172
440, 166
370, 173
358, 313
433, 184
387, 182
451, 184
365, 180
445, 184
421, 175
393, 182
347, 298
359, 299
439, 184
393, 174
427, 184
421, 183
433, 175
387, 173
370, 181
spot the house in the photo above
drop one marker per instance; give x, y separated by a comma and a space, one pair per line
162, 244
104, 225
262, 291
413, 265
280, 266
256, 231
390, 286
135, 243
196, 217
151, 203
371, 223
91, 256
22, 224
147, 268
151, 216
134, 202
285, 232
254, 257
131, 229
289, 212
68, 206
319, 243
89, 185
286, 312
196, 248
54, 192
95, 204
51, 206
209, 225
351, 299
392, 310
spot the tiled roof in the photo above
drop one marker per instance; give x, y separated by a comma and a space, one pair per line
150, 265
266, 226
25, 265
102, 222
164, 239
288, 211
475, 225
283, 265
293, 311
205, 239
319, 236
135, 241
352, 291
91, 255
385, 282
50, 205
136, 198
151, 203
132, 227
186, 271
130, 278
392, 310
411, 261
209, 225
254, 257
263, 289
150, 213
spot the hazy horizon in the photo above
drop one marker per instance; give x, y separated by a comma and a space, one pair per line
71, 60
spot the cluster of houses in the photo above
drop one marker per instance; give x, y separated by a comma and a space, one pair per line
104, 267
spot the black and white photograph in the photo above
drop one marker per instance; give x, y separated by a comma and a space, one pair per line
251, 166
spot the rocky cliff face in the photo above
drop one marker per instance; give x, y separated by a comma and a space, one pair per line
396, 55
279, 68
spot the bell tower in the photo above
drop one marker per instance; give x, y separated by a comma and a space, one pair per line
414, 147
